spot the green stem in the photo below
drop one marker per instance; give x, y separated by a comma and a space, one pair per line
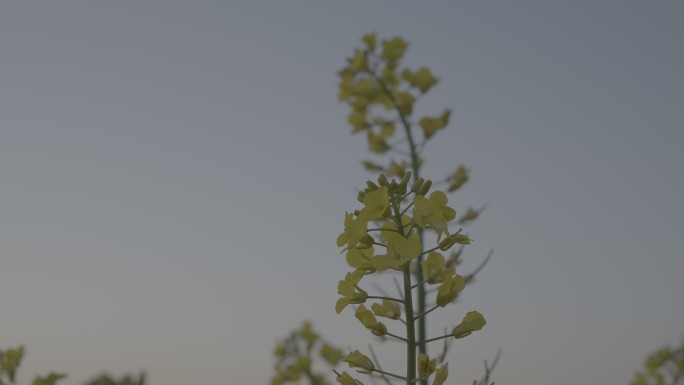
419, 271
410, 329
408, 304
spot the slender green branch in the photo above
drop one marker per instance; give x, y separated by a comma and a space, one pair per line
430, 251
490, 368
426, 312
390, 374
407, 207
396, 336
378, 229
387, 298
437, 338
472, 275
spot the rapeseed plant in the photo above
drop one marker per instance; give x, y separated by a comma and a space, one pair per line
388, 232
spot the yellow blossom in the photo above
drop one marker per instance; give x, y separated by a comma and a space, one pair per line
433, 212
360, 259
376, 143
388, 309
421, 79
393, 50
350, 291
370, 166
431, 125
376, 204
331, 354
346, 379
470, 215
400, 252
397, 169
358, 62
368, 320
471, 322
369, 39
357, 118
354, 232
449, 289
433, 268
308, 334
457, 179
404, 102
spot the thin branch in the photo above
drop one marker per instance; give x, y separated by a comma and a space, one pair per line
471, 276
380, 290
418, 284
436, 338
387, 298
426, 312
397, 337
445, 350
377, 364
390, 374
489, 369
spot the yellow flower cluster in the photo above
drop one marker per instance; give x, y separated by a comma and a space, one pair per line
380, 96
390, 219
382, 204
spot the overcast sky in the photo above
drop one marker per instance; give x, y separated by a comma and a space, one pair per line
174, 175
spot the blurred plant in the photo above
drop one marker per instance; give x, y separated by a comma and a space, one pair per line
10, 359
663, 367
296, 354
105, 379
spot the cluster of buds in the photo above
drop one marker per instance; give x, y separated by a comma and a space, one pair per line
295, 354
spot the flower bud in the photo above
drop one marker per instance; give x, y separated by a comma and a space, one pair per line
346, 379
453, 239
331, 354
382, 180
415, 187
356, 359
449, 289
404, 182
425, 187
365, 242
426, 366
471, 322
441, 375
371, 186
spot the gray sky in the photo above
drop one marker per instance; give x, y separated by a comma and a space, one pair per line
174, 175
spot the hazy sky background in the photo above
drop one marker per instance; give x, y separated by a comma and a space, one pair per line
174, 175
